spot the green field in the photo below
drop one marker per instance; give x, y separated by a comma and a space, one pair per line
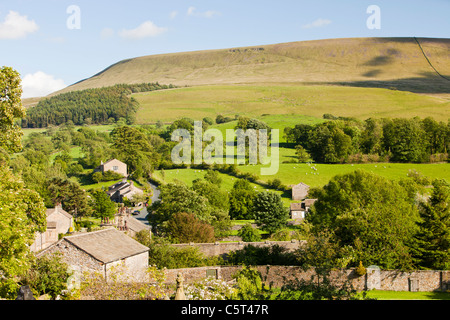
288, 102
293, 173
407, 295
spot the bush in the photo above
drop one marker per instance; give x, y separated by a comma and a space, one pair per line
185, 228
254, 256
249, 234
48, 275
164, 255
360, 270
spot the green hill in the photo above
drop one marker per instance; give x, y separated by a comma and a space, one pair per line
399, 63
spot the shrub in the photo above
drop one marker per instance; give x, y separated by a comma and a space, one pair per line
249, 234
185, 227
360, 270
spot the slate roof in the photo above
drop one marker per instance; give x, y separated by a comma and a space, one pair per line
297, 207
58, 209
107, 245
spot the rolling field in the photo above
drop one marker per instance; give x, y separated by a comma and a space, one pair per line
287, 101
368, 62
314, 175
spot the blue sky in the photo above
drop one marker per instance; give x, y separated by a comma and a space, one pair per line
36, 40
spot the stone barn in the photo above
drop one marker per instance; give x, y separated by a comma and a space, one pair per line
103, 251
300, 191
58, 222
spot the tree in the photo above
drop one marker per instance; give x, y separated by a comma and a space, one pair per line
216, 197
185, 228
177, 197
97, 176
433, 238
327, 143
241, 200
132, 147
69, 193
11, 108
104, 208
249, 234
269, 212
22, 214
374, 216
302, 154
213, 177
48, 275
405, 138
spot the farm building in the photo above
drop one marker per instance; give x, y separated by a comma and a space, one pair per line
300, 191
123, 189
113, 165
103, 251
58, 221
299, 210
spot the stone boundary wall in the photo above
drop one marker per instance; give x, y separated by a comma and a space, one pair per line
394, 280
223, 248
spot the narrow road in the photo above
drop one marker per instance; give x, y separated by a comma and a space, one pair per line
142, 216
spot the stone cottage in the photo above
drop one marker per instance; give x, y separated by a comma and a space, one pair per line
58, 222
299, 210
300, 191
113, 165
123, 189
103, 251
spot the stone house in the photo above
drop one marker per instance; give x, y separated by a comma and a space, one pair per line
58, 221
113, 165
123, 189
300, 191
299, 210
103, 251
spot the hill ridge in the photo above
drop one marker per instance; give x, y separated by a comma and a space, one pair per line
375, 62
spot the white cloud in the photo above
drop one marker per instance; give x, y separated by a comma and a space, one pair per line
40, 84
173, 14
16, 26
192, 11
146, 29
317, 23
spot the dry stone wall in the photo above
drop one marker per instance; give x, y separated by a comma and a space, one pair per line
430, 280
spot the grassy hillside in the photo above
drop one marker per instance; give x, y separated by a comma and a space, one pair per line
368, 62
288, 101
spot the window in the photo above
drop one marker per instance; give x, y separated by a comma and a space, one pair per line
115, 168
211, 273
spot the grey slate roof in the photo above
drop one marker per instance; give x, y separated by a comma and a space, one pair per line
58, 209
107, 245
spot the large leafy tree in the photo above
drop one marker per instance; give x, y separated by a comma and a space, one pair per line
103, 206
405, 139
372, 215
11, 109
22, 211
22, 214
177, 197
433, 238
73, 198
132, 147
241, 200
269, 212
185, 228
